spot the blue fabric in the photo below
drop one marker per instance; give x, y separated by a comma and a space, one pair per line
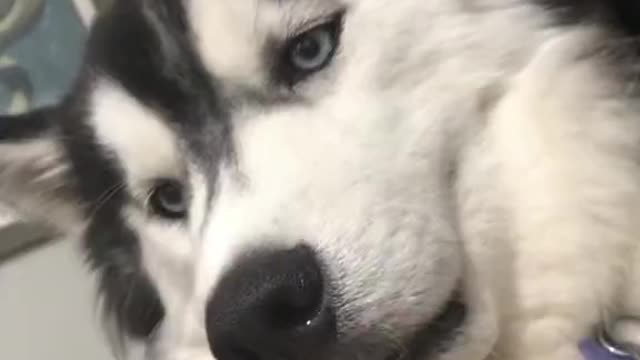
45, 49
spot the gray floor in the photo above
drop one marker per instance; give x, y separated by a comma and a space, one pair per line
46, 296
47, 307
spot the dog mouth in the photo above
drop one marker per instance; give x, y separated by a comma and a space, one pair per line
437, 335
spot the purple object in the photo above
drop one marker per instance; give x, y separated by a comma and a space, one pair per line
593, 350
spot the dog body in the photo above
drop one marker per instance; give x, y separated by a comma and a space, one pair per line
465, 173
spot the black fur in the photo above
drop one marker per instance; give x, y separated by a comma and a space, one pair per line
143, 46
621, 15
112, 248
147, 48
129, 298
25, 126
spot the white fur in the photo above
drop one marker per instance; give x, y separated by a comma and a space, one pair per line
556, 205
556, 244
230, 35
235, 53
569, 216
136, 135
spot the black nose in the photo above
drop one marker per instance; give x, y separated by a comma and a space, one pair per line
271, 305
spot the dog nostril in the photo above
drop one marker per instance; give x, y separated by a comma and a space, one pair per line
270, 305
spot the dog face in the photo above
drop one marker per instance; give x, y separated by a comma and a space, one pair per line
279, 137
272, 179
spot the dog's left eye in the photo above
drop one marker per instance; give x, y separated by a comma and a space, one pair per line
310, 51
169, 200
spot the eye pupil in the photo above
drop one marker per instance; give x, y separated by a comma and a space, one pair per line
168, 199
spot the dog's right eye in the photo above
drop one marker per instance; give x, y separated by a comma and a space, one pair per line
168, 199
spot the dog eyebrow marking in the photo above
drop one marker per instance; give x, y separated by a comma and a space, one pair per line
138, 137
163, 72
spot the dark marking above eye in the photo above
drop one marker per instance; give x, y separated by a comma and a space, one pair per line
147, 48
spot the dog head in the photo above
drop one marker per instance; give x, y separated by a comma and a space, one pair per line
270, 179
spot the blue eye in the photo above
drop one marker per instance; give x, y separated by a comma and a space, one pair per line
312, 50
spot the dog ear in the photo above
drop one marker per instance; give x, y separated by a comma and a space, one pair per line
35, 172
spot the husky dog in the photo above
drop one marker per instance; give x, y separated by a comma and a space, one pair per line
348, 179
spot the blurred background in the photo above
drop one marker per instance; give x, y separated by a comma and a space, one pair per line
47, 306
